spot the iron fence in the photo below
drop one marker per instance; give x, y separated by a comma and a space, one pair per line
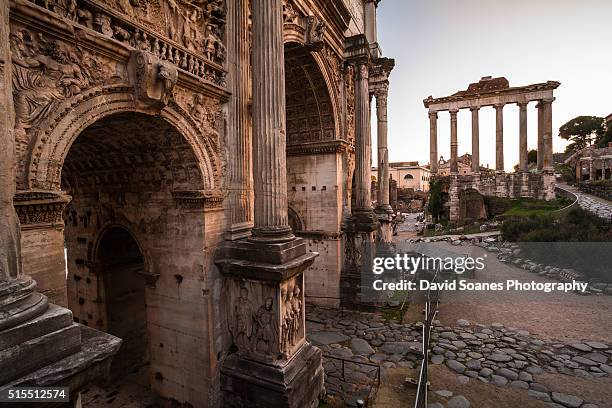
431, 310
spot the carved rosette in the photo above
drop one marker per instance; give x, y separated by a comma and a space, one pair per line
37, 209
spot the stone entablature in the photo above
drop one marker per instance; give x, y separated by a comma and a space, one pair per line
37, 209
204, 59
491, 97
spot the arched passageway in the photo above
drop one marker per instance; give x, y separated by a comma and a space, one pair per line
121, 266
134, 233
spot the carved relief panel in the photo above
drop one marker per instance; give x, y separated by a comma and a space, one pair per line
264, 320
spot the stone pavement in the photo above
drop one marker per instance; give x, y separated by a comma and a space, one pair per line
596, 205
494, 354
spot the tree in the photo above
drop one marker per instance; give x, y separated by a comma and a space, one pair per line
435, 200
581, 131
532, 158
604, 138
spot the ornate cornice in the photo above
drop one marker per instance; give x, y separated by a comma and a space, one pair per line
37, 209
312, 148
198, 199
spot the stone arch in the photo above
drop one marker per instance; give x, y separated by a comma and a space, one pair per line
53, 138
295, 221
102, 233
309, 88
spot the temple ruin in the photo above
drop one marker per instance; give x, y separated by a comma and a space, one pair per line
497, 92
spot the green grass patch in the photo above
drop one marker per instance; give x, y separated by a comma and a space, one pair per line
528, 207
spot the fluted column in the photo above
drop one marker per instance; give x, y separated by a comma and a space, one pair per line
269, 128
540, 135
547, 158
10, 262
523, 159
475, 140
499, 137
363, 148
239, 146
383, 151
453, 142
433, 142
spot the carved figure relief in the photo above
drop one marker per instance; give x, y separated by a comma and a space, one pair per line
265, 337
290, 15
315, 31
242, 328
197, 25
292, 310
46, 72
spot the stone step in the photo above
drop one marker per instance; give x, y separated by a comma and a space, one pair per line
39, 352
54, 319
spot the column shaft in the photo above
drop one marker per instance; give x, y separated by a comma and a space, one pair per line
475, 141
239, 147
540, 136
547, 132
523, 155
269, 151
499, 137
433, 142
383, 151
453, 143
10, 246
363, 150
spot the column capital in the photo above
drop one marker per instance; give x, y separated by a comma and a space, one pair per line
474, 108
547, 100
499, 106
433, 115
522, 104
453, 113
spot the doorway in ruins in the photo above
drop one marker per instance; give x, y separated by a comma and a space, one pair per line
134, 234
121, 266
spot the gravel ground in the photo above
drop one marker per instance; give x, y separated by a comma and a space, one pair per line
555, 315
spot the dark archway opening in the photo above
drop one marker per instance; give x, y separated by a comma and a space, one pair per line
121, 264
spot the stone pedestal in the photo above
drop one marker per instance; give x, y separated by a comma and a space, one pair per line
273, 365
384, 214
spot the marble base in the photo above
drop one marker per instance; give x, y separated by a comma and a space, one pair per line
296, 384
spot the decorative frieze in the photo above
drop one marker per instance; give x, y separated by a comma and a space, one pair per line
178, 31
40, 208
198, 199
324, 147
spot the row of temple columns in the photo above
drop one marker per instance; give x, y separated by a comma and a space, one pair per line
545, 149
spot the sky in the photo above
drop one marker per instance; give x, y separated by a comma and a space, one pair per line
441, 46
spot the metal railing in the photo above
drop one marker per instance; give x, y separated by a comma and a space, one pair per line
345, 360
431, 310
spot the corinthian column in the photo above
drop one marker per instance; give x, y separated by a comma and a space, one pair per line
363, 148
540, 135
547, 156
269, 155
383, 151
475, 140
453, 143
240, 177
433, 142
499, 137
523, 159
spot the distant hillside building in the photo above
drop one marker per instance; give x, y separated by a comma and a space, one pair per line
407, 175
